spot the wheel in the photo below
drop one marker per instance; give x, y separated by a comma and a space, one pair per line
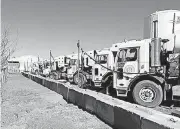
108, 83
59, 75
147, 93
51, 76
75, 78
36, 72
81, 82
56, 77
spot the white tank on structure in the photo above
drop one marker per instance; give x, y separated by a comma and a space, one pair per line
163, 24
160, 23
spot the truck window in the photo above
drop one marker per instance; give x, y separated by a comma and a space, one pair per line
102, 59
87, 61
122, 56
73, 62
129, 54
65, 60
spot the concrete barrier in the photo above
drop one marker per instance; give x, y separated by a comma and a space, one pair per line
32, 77
46, 83
90, 103
40, 81
76, 97
61, 89
105, 109
79, 98
159, 123
147, 124
72, 95
37, 79
29, 76
124, 119
117, 113
53, 86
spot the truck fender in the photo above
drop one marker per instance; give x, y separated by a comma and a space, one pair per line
157, 79
106, 76
80, 71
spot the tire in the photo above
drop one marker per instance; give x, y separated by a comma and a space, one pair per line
56, 76
75, 78
51, 76
147, 93
107, 81
36, 72
82, 79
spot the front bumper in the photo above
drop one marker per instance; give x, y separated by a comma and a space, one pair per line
97, 83
70, 77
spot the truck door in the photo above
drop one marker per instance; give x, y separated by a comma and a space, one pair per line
127, 60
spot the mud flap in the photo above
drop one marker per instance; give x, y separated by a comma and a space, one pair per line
168, 93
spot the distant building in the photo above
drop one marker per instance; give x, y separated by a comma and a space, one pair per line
26, 62
13, 67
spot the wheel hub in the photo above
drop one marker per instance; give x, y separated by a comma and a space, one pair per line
147, 94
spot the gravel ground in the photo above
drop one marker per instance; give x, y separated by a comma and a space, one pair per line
28, 105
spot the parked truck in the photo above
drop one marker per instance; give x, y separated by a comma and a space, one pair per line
142, 68
85, 69
59, 67
103, 58
72, 67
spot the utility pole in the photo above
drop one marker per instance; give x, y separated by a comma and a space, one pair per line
27, 64
78, 45
50, 60
174, 20
38, 64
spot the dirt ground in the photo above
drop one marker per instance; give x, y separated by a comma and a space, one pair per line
28, 105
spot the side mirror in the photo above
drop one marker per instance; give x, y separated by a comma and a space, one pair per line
165, 40
87, 61
120, 73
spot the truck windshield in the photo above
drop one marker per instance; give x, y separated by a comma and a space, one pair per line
65, 60
101, 59
129, 54
73, 62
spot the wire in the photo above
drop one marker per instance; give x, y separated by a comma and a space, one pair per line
111, 69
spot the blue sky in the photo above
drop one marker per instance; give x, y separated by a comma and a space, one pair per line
57, 25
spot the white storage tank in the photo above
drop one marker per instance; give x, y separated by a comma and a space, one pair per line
160, 24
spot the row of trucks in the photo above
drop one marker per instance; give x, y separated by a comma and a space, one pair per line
144, 69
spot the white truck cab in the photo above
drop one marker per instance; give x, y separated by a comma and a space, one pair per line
98, 71
73, 65
132, 57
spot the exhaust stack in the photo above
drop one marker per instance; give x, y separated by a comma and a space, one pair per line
156, 52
